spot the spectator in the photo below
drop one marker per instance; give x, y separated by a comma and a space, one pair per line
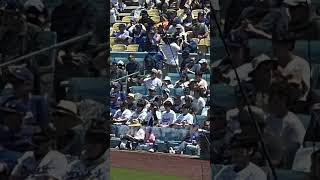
263, 66
153, 116
198, 102
123, 36
95, 150
131, 101
292, 65
152, 94
190, 142
183, 82
169, 116
36, 12
185, 118
167, 83
170, 51
114, 104
113, 14
116, 70
242, 149
123, 114
202, 67
32, 164
150, 139
223, 71
138, 33
35, 108
132, 66
200, 82
152, 81
140, 114
138, 137
177, 104
200, 29
146, 20
282, 123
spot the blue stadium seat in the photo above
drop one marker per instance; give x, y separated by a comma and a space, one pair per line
199, 120
88, 88
178, 92
224, 96
139, 89
260, 46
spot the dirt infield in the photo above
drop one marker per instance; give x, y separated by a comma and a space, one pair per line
165, 164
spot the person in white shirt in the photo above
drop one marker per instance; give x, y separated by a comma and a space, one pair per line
113, 15
200, 82
242, 148
168, 116
185, 118
138, 137
123, 114
292, 65
122, 37
152, 81
167, 83
41, 163
222, 69
198, 103
140, 114
282, 123
170, 51
153, 115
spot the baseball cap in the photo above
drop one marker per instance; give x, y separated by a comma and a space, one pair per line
120, 62
21, 73
154, 71
296, 2
11, 108
203, 61
167, 78
259, 60
152, 88
130, 95
34, 3
169, 101
179, 26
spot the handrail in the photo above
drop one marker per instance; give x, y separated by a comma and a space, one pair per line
47, 49
125, 76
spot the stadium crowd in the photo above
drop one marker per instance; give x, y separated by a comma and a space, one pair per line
272, 91
168, 88
43, 134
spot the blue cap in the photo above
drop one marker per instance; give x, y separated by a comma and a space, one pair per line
21, 73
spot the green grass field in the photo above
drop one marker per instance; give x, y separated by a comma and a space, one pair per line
125, 174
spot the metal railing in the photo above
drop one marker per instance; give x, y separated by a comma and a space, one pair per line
55, 46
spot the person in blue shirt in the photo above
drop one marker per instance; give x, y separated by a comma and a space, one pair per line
132, 66
191, 141
19, 92
114, 104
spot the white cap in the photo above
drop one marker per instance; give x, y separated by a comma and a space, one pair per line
120, 62
203, 61
167, 78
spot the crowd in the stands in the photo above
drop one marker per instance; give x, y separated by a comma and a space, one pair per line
175, 39
273, 93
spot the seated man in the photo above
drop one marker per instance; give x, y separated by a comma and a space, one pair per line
34, 164
139, 114
185, 118
242, 147
94, 161
190, 143
133, 137
35, 109
122, 37
168, 116
123, 114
